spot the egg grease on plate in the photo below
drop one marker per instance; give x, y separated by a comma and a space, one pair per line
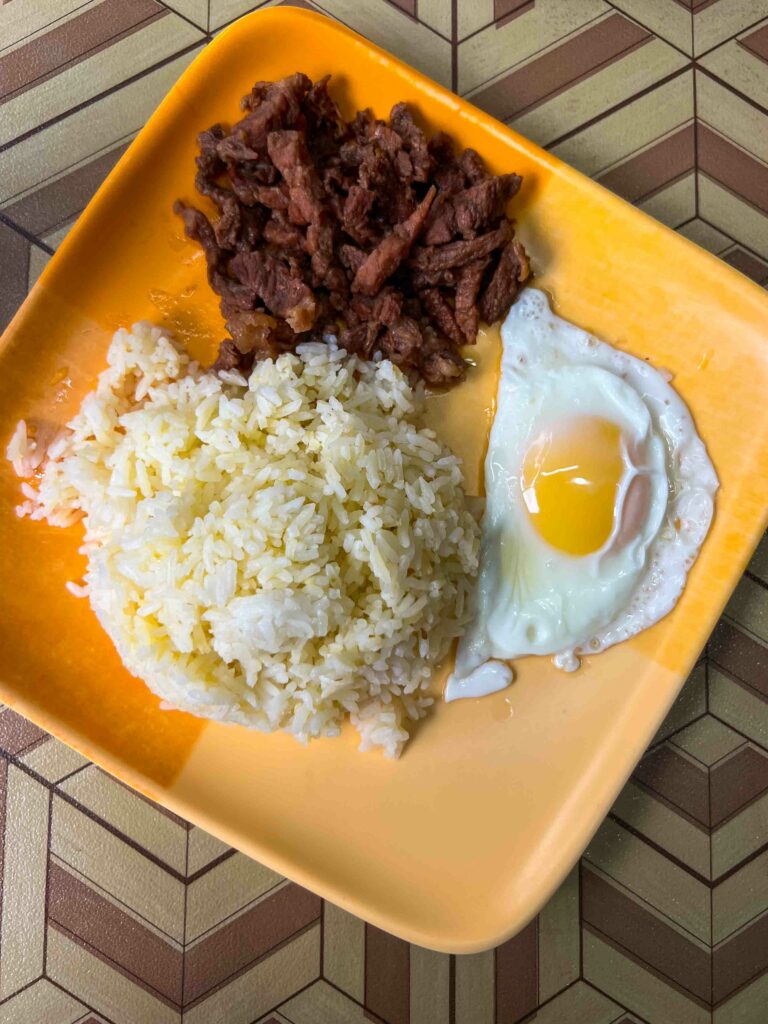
599, 494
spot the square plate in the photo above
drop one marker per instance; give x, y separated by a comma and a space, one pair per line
457, 845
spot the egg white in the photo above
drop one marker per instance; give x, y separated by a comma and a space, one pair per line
532, 598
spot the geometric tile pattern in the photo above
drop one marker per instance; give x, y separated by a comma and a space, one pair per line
114, 910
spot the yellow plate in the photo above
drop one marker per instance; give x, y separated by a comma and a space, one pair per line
459, 843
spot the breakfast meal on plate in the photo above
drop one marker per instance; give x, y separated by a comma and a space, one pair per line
363, 229
279, 540
599, 494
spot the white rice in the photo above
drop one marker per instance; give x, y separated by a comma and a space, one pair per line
280, 551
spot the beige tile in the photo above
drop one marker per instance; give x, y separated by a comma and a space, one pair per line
24, 20
436, 14
691, 702
126, 812
664, 827
705, 235
55, 238
195, 10
93, 75
270, 982
203, 849
746, 1007
708, 740
382, 23
224, 890
740, 837
42, 1003
52, 759
430, 982
389, 28
740, 69
666, 18
85, 133
492, 52
126, 875
580, 1004
223, 11
22, 936
651, 877
731, 214
559, 938
473, 15
649, 118
738, 707
749, 607
101, 986
344, 951
122, 906
639, 990
732, 116
740, 898
601, 91
475, 988
675, 204
719, 21
320, 1002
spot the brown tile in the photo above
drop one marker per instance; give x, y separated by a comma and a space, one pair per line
678, 780
748, 264
756, 42
736, 781
73, 40
517, 976
732, 168
408, 6
57, 203
94, 921
16, 733
644, 935
640, 176
387, 976
505, 11
740, 656
559, 69
739, 959
249, 936
14, 264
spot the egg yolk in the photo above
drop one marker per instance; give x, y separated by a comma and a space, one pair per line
571, 475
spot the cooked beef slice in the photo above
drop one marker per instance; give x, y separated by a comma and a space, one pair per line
384, 260
364, 228
433, 259
511, 270
441, 314
281, 293
467, 289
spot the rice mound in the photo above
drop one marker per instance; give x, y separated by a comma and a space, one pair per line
278, 551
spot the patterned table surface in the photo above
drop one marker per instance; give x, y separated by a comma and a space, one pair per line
116, 910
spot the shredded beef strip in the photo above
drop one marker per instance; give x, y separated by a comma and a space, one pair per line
436, 258
511, 271
441, 314
271, 282
469, 211
384, 260
364, 229
465, 306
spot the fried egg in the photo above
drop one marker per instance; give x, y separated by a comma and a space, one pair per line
599, 494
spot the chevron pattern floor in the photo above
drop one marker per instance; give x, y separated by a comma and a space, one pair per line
112, 910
